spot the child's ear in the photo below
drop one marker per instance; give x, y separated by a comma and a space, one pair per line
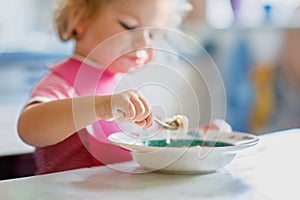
78, 23
80, 28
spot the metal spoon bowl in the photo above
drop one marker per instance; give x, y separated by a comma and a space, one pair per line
165, 125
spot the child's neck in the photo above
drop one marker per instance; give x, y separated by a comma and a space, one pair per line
88, 60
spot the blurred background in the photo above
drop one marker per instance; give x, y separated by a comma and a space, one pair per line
254, 43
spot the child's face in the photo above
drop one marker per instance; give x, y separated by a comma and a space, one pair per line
120, 16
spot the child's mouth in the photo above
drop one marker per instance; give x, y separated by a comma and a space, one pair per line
140, 57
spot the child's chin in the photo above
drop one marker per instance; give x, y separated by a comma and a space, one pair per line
121, 71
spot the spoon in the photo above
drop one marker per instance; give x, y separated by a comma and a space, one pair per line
165, 125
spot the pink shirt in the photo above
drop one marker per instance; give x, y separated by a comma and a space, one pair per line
87, 147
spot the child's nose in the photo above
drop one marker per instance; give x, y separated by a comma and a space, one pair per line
143, 39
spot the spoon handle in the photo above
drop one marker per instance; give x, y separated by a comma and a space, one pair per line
165, 125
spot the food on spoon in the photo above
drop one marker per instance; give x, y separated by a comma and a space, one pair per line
179, 121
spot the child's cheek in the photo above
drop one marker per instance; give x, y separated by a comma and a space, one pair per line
151, 55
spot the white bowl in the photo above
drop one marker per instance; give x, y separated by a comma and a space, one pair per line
184, 159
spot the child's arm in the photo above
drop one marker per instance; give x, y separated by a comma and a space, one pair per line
43, 124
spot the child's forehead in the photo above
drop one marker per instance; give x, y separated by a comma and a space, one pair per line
136, 5
144, 9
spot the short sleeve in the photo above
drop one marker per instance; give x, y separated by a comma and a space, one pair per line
51, 87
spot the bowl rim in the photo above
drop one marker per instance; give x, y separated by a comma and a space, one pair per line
135, 146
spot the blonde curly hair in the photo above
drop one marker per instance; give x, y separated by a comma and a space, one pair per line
70, 12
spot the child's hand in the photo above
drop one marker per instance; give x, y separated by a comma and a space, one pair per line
130, 106
217, 124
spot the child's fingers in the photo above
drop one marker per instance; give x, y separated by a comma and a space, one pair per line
139, 108
141, 123
131, 106
217, 124
130, 111
145, 123
209, 126
222, 125
123, 109
148, 121
146, 106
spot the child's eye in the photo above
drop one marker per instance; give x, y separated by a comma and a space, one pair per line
127, 27
151, 36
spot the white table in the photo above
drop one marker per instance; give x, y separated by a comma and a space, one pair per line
269, 170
